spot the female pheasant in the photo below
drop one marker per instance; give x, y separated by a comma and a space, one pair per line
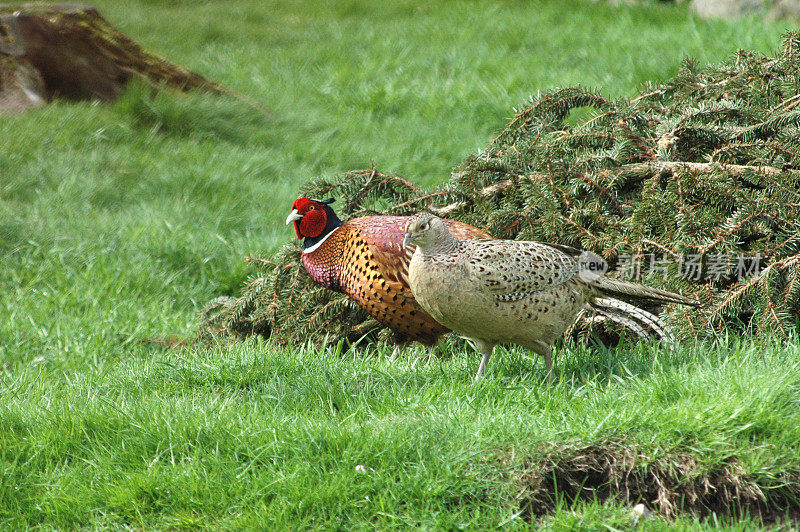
526, 293
365, 259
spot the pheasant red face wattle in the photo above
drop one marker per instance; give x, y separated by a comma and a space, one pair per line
311, 218
313, 223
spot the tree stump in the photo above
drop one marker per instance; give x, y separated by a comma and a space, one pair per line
69, 51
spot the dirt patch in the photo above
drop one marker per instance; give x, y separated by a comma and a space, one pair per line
67, 50
668, 484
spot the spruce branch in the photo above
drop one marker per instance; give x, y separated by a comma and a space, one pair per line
706, 163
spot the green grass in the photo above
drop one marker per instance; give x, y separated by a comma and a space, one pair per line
240, 436
117, 223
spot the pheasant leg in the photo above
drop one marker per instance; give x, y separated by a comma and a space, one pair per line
548, 364
485, 349
431, 350
395, 352
401, 341
541, 348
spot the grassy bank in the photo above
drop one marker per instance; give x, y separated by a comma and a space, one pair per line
244, 435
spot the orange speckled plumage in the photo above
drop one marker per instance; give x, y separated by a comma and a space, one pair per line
365, 259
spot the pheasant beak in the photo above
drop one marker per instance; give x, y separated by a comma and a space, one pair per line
293, 217
407, 240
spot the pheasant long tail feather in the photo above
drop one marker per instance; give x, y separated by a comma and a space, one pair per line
620, 318
638, 320
625, 290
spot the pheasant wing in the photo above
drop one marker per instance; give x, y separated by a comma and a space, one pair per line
384, 236
382, 240
464, 231
514, 270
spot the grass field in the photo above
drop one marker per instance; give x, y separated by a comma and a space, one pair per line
117, 223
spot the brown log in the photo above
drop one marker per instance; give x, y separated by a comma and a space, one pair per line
70, 51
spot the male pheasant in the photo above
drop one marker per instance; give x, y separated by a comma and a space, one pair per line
365, 259
507, 291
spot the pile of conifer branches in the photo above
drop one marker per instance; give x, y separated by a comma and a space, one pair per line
693, 185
